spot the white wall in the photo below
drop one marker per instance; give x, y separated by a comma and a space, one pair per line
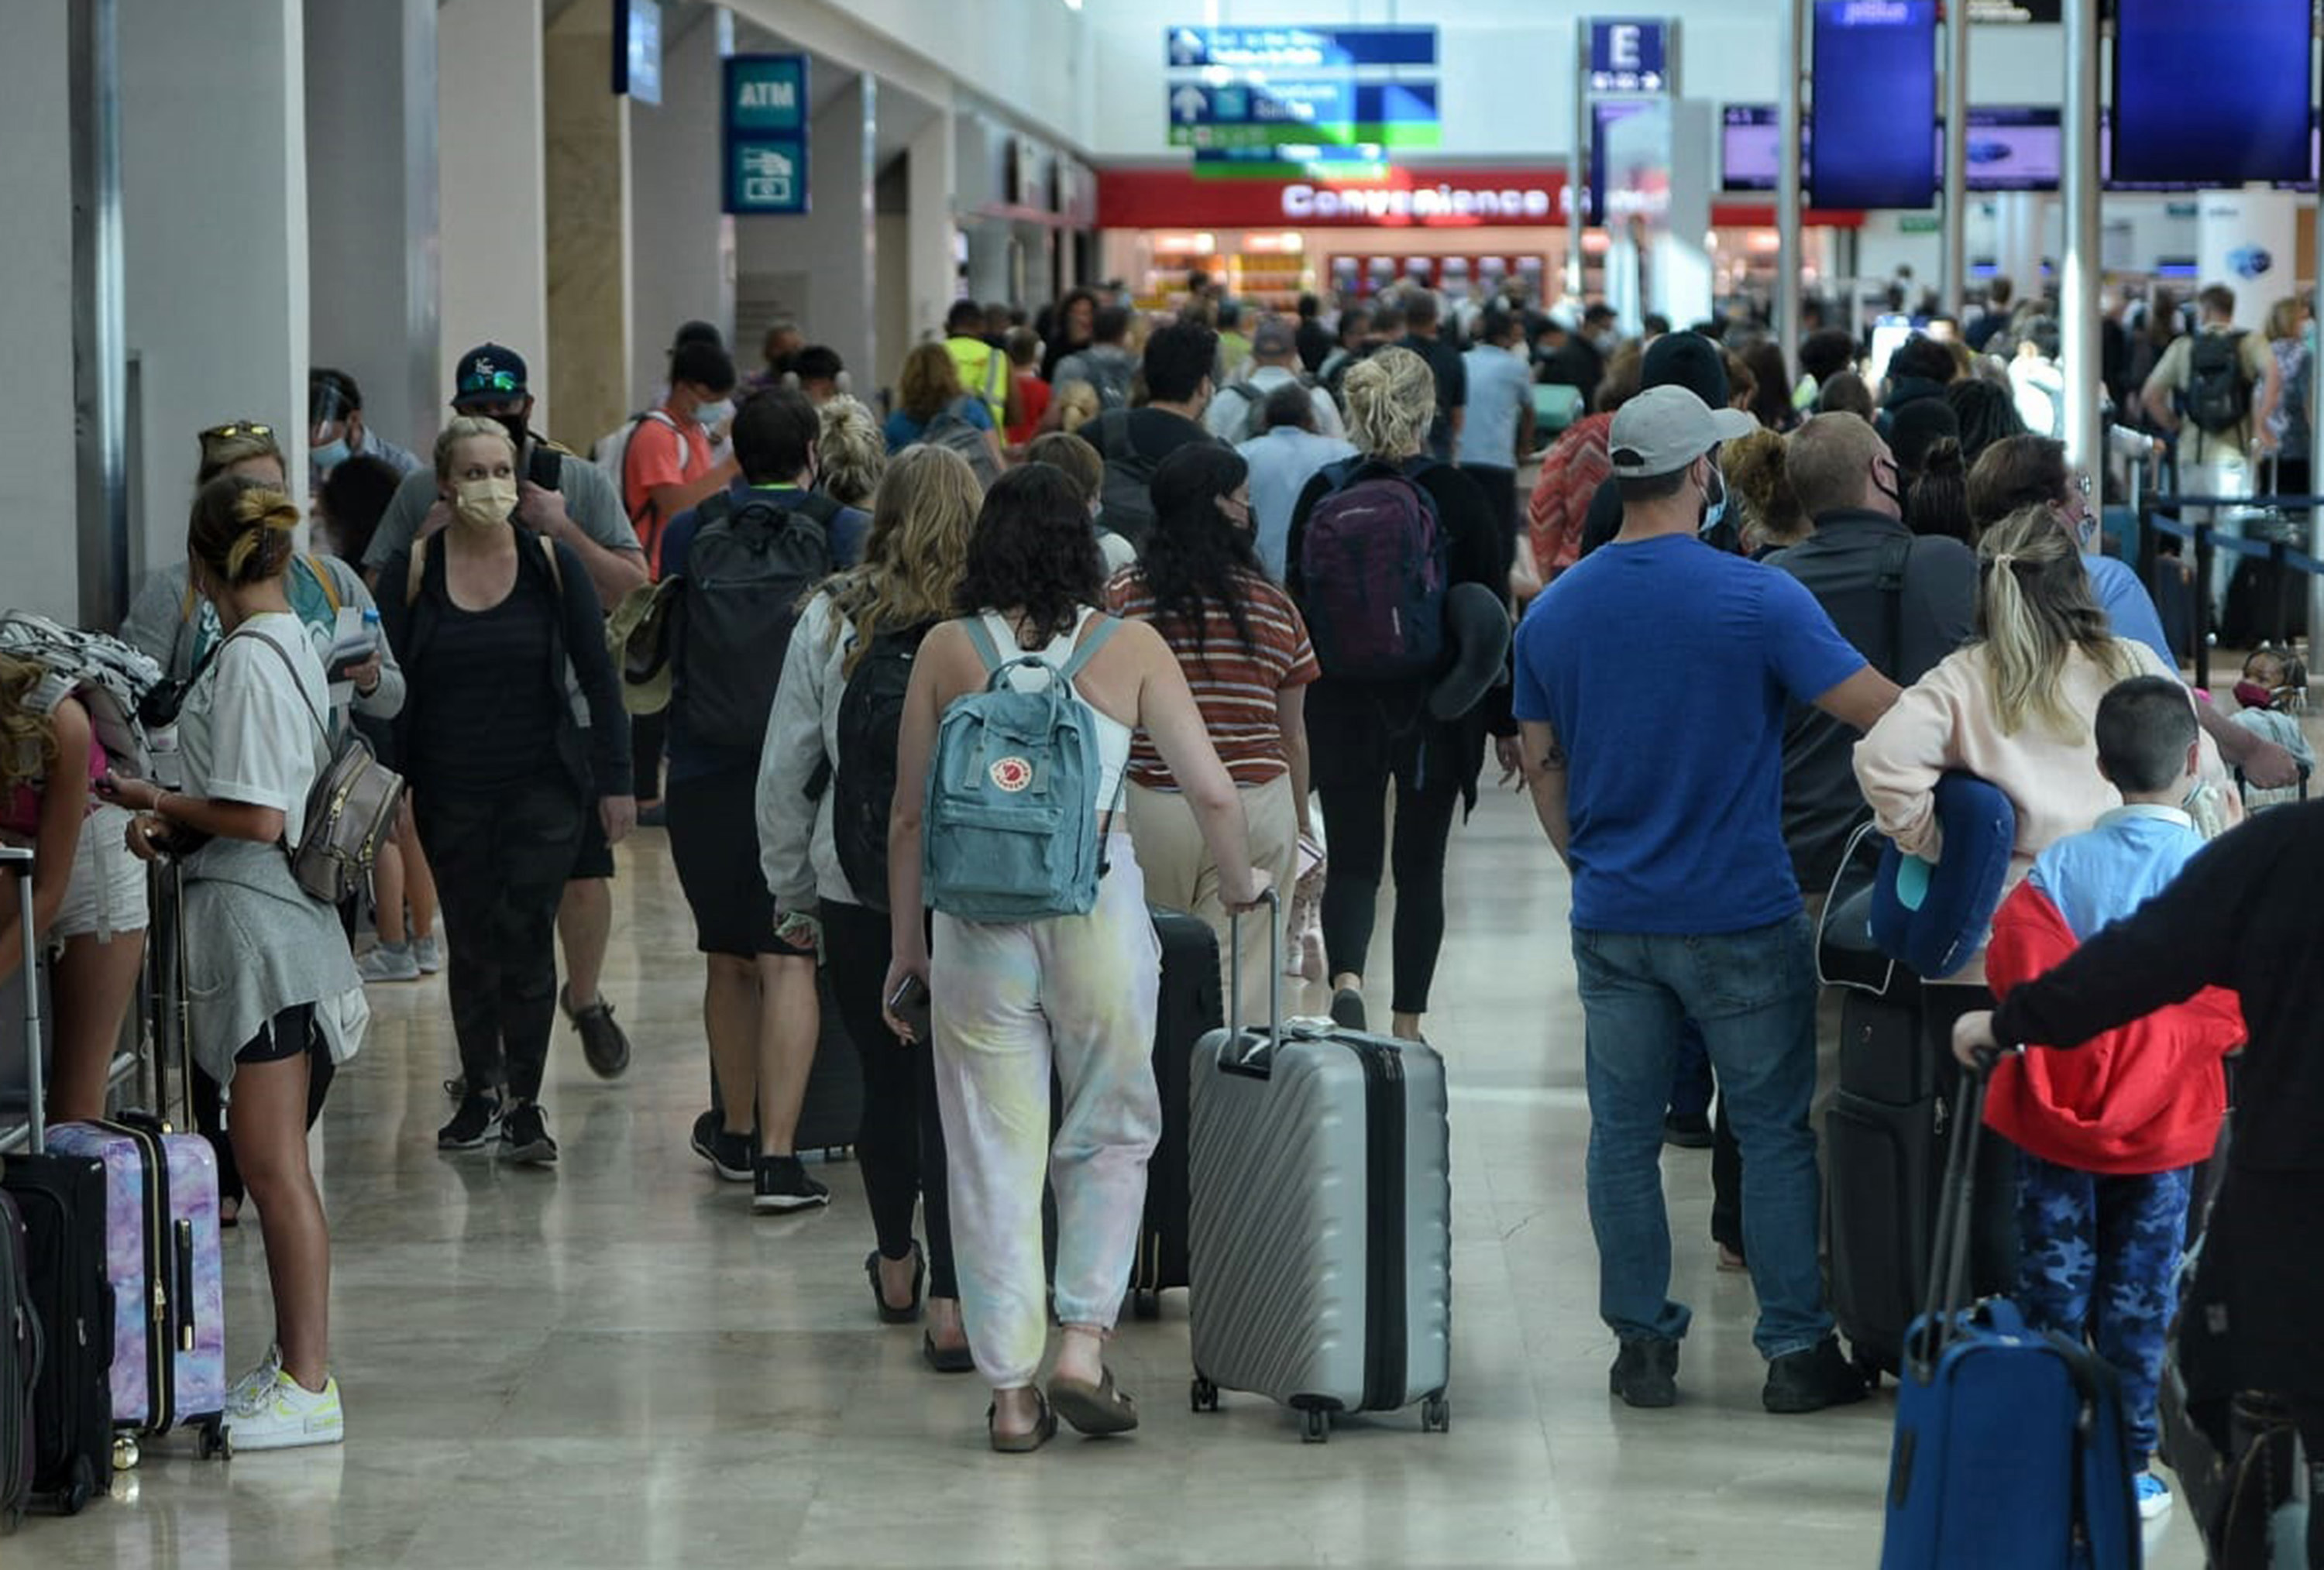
215, 268
371, 206
38, 475
682, 257
493, 224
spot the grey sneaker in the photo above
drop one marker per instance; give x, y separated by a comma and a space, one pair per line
389, 962
427, 954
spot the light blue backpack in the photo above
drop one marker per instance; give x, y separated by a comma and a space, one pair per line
1010, 831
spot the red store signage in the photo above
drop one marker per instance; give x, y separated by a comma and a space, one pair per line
1407, 199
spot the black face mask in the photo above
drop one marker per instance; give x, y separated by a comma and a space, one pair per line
514, 425
1892, 493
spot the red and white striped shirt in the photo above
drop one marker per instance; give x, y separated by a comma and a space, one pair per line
1235, 687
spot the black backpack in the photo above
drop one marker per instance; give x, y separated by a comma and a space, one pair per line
745, 574
2219, 394
1129, 504
864, 784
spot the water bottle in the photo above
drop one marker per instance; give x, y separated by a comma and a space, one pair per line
371, 625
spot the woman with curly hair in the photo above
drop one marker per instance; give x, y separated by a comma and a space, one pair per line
1243, 646
877, 612
929, 390
1013, 1002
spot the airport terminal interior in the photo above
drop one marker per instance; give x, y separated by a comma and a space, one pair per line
1341, 310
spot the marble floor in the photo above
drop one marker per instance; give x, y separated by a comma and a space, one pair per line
617, 1364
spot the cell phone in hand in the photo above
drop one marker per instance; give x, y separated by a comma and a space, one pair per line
909, 1003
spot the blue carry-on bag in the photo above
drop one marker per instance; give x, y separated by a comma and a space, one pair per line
2010, 1450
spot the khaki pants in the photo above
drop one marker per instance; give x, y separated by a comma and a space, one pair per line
1181, 875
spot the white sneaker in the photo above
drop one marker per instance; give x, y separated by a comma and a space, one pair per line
2153, 1495
247, 1389
427, 954
285, 1415
389, 962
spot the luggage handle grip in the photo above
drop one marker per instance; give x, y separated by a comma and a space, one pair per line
20, 861
1949, 1266
1272, 898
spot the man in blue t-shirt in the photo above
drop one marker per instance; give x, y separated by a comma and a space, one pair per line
1651, 683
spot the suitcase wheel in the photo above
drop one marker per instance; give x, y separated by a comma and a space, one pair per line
1318, 1429
212, 1441
125, 1453
80, 1488
1436, 1415
1204, 1395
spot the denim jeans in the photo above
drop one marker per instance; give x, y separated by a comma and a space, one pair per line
1754, 994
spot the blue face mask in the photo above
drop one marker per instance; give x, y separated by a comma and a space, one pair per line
331, 455
1714, 507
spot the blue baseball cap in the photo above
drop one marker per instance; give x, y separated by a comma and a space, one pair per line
489, 374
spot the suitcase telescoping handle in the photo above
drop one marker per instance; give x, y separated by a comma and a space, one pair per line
19, 860
1273, 900
1949, 1261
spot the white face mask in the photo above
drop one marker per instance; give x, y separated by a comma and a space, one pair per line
711, 416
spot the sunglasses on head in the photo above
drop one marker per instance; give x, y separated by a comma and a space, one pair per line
246, 427
491, 382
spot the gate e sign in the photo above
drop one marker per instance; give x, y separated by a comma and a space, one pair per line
765, 122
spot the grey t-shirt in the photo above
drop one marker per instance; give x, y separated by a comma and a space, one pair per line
1905, 636
589, 497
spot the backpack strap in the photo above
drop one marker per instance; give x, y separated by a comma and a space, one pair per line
416, 574
981, 637
323, 581
1096, 640
1895, 556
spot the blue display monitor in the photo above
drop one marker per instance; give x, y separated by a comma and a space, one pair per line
2011, 147
1876, 97
2210, 92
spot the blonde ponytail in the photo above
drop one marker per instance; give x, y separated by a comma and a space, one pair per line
2034, 609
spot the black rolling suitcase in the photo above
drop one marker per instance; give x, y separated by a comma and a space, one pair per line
61, 1201
1885, 1144
1191, 1006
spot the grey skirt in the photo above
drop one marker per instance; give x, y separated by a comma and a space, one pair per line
256, 943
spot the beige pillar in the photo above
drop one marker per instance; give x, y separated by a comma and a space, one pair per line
588, 219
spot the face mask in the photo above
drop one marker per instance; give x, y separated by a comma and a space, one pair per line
711, 416
1714, 504
482, 503
1890, 492
2251, 695
331, 455
514, 425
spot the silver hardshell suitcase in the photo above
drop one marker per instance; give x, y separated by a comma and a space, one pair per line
1320, 1228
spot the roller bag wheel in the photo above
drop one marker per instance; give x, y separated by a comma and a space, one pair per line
60, 1200
1190, 1008
1320, 1232
20, 1366
1885, 1151
2011, 1452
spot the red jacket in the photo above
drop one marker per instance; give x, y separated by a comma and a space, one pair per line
2147, 1097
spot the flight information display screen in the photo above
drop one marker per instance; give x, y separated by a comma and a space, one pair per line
1876, 98
2211, 95
2011, 147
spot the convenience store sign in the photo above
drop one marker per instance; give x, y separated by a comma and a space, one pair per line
1444, 197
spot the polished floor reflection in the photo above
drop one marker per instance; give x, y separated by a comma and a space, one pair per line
617, 1364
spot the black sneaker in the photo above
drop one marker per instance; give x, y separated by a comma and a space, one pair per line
603, 1042
471, 1125
1810, 1381
457, 1087
525, 1136
1689, 1131
730, 1153
782, 1184
1348, 1009
1646, 1374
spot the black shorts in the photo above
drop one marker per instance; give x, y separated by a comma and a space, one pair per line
595, 856
714, 840
286, 1035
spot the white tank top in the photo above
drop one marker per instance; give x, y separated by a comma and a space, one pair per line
1112, 735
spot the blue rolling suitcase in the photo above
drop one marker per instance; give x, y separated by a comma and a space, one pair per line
2010, 1451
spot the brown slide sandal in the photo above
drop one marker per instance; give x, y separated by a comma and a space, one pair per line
1095, 1410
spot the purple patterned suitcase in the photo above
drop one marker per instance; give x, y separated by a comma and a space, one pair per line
162, 1254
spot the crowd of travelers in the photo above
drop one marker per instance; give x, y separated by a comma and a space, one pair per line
1861, 579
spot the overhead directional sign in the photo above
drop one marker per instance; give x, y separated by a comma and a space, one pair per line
1394, 114
1299, 49
765, 132
1626, 56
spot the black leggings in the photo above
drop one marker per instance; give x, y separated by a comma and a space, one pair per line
901, 1148
1355, 825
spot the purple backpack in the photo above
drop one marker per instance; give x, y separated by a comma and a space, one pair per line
1372, 566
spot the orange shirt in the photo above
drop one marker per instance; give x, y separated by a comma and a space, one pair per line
664, 450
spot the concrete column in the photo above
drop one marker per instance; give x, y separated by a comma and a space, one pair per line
2019, 228
371, 207
588, 211
682, 247
214, 190
493, 224
930, 172
38, 478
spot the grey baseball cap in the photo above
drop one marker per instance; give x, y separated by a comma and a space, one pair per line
1665, 429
